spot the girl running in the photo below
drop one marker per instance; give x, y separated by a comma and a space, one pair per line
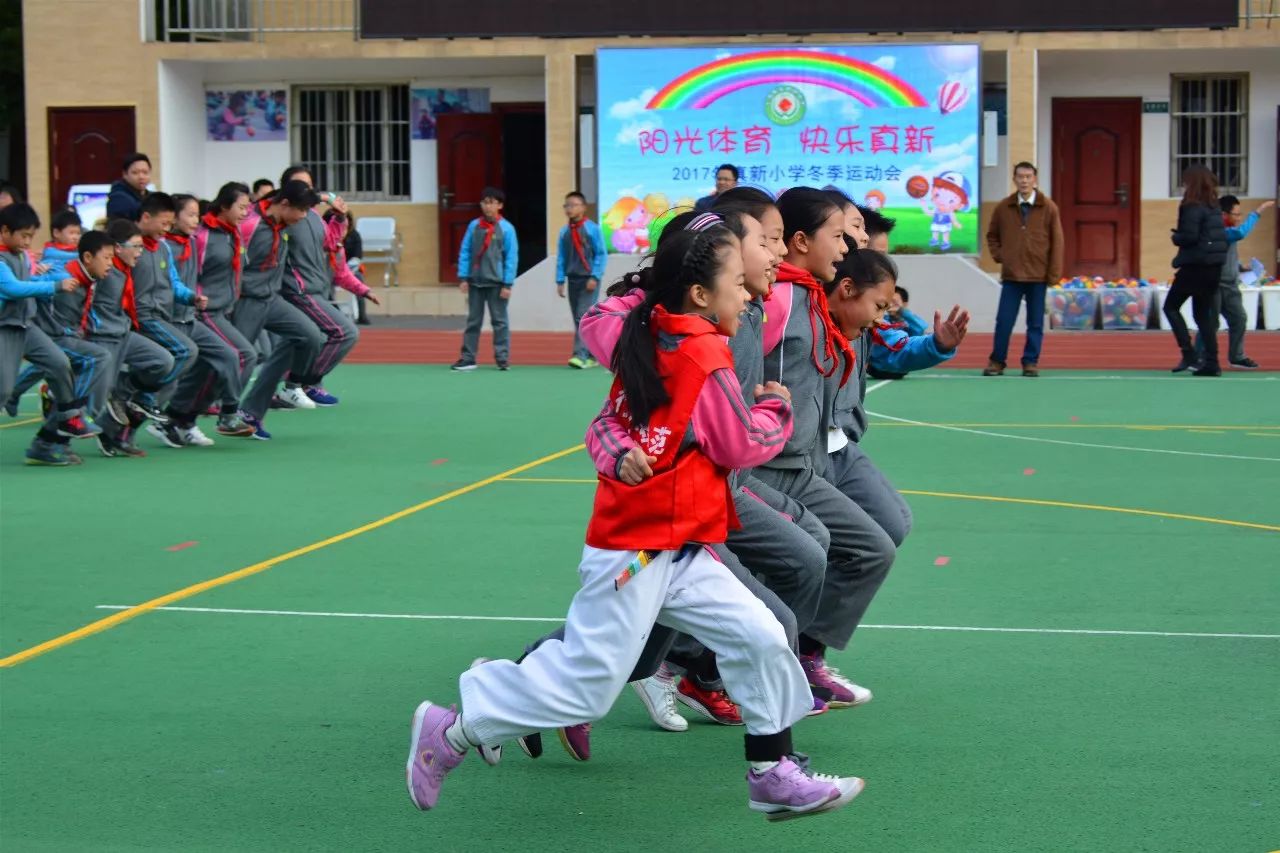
643, 561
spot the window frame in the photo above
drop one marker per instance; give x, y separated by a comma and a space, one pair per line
348, 115
1178, 160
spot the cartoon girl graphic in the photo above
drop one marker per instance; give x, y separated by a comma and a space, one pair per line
874, 200
950, 195
628, 222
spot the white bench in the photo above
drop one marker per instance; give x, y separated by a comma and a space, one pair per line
382, 244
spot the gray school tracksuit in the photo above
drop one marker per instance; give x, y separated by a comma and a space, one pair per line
261, 306
213, 353
20, 338
850, 469
308, 286
488, 270
112, 328
157, 289
860, 553
59, 316
217, 281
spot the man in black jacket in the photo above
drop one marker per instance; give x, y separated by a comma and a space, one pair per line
125, 198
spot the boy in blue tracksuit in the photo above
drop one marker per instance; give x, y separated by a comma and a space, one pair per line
900, 312
487, 262
65, 227
1238, 227
580, 260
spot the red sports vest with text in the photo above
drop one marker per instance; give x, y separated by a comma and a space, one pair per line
687, 499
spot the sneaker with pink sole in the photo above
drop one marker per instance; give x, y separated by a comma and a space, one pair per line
786, 791
430, 755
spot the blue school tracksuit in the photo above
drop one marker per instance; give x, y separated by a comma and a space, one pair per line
578, 266
57, 257
488, 268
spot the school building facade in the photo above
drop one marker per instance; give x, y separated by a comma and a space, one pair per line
1110, 111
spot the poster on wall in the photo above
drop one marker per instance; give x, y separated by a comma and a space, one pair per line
429, 103
894, 127
247, 115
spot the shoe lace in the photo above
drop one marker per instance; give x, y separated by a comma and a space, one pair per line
843, 681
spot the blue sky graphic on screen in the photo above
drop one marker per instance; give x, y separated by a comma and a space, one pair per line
893, 126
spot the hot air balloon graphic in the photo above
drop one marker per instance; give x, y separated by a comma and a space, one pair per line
952, 95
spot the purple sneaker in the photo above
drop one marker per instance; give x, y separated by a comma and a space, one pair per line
787, 792
320, 397
430, 755
819, 707
844, 693
576, 740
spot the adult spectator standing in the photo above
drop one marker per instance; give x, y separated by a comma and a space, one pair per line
726, 179
1025, 238
125, 199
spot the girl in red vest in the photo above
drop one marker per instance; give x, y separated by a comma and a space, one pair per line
643, 561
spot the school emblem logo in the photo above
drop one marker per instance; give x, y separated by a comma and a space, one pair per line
785, 105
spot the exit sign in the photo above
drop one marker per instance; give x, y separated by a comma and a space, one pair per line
1155, 107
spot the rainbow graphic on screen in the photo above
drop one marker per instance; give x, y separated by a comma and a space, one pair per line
868, 84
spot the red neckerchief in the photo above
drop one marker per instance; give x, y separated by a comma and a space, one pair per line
66, 247
662, 320
575, 234
150, 243
74, 270
127, 300
877, 338
820, 315
276, 227
489, 228
213, 223
182, 240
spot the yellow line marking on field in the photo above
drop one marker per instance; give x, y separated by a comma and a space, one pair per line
24, 422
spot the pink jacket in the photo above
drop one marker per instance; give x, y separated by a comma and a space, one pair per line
601, 326
342, 275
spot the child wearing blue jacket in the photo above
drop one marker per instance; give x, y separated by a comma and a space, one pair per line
580, 260
1238, 227
487, 262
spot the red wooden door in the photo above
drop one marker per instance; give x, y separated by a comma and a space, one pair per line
87, 146
1096, 172
468, 159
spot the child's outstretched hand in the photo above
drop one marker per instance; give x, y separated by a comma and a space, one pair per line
775, 388
68, 284
201, 302
41, 269
372, 298
948, 334
636, 467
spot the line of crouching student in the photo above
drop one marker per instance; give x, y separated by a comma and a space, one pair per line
152, 322
762, 532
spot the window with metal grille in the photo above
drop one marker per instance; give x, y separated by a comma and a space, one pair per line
354, 139
1210, 126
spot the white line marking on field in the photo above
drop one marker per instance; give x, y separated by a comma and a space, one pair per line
1066, 443
433, 617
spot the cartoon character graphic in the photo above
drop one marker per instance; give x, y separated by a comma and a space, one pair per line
874, 200
950, 195
628, 222
656, 204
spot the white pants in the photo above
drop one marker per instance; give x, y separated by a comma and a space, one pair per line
576, 680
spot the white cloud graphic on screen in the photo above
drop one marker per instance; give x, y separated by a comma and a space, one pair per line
629, 109
886, 62
630, 133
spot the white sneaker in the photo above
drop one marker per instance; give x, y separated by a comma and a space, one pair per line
193, 436
658, 693
297, 397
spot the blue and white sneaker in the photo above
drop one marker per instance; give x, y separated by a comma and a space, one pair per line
258, 432
320, 397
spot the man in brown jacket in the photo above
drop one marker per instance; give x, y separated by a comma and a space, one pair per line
1025, 238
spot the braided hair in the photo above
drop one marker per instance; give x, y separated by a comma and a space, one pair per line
692, 255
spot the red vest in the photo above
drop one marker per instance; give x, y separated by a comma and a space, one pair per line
687, 499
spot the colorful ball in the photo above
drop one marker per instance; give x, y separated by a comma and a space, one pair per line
918, 186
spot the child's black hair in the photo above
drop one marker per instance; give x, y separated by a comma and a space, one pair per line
493, 193
805, 209
227, 195
262, 182
287, 175
91, 243
902, 294
575, 194
875, 223
19, 217
12, 191
866, 268
684, 258
752, 201
181, 200
296, 194
1227, 202
64, 218
155, 204
135, 157
122, 230
838, 197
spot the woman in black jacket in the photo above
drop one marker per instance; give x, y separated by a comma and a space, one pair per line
1201, 239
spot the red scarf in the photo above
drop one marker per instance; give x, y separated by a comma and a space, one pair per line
182, 240
213, 223
276, 227
877, 338
74, 270
836, 344
489, 228
66, 247
575, 234
127, 299
150, 243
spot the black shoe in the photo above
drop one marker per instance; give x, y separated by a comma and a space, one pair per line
531, 744
462, 364
1030, 370
1207, 370
1245, 363
504, 365
1187, 363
